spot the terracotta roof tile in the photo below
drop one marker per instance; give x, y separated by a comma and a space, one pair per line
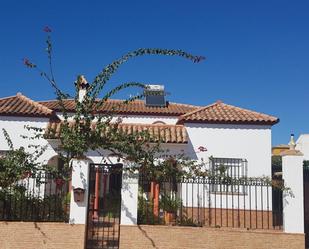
20, 105
135, 107
165, 133
218, 112
224, 113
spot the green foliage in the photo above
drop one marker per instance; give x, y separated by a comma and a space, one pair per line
17, 164
92, 130
145, 210
17, 204
186, 220
111, 202
276, 162
170, 203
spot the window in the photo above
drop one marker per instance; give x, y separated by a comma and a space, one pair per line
227, 172
229, 167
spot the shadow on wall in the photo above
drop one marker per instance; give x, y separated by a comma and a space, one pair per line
127, 180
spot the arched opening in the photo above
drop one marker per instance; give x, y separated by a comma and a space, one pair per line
159, 122
55, 181
56, 162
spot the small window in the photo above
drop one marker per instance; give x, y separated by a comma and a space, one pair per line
227, 171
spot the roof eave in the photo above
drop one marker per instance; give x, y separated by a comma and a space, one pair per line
52, 116
183, 121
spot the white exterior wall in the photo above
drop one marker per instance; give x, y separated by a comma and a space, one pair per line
204, 197
140, 119
148, 119
15, 126
250, 142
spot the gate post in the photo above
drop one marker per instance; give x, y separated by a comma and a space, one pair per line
293, 206
80, 175
129, 198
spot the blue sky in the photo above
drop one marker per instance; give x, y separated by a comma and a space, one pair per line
257, 51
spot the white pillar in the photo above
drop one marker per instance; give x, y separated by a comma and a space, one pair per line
129, 198
293, 206
78, 210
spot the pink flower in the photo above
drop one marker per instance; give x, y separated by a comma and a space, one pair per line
47, 29
202, 149
59, 182
27, 63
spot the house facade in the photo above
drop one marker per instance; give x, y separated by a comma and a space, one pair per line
233, 137
224, 130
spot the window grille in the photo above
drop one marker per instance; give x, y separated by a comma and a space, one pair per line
227, 174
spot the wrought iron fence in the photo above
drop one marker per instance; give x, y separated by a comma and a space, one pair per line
211, 202
40, 197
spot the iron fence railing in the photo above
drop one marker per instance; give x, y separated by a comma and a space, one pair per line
40, 197
211, 202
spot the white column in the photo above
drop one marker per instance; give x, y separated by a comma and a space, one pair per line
293, 206
129, 198
78, 210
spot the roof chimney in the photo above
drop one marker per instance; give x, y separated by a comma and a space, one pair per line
292, 143
82, 86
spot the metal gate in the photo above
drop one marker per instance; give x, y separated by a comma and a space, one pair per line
104, 204
306, 205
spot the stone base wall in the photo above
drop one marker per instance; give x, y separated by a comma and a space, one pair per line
41, 235
172, 237
32, 235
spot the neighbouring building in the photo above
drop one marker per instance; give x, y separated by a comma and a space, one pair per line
278, 149
302, 144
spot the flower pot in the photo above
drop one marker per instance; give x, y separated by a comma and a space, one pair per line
169, 218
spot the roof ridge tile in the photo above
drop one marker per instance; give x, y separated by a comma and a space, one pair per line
220, 112
20, 105
34, 103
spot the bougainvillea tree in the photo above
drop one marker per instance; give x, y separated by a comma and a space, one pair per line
90, 129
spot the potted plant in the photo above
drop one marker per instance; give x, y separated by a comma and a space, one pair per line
170, 204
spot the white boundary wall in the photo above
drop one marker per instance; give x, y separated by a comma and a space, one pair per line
80, 179
293, 206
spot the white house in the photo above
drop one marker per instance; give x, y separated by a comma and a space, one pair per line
230, 136
224, 130
237, 138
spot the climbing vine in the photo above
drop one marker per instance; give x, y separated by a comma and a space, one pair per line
91, 129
